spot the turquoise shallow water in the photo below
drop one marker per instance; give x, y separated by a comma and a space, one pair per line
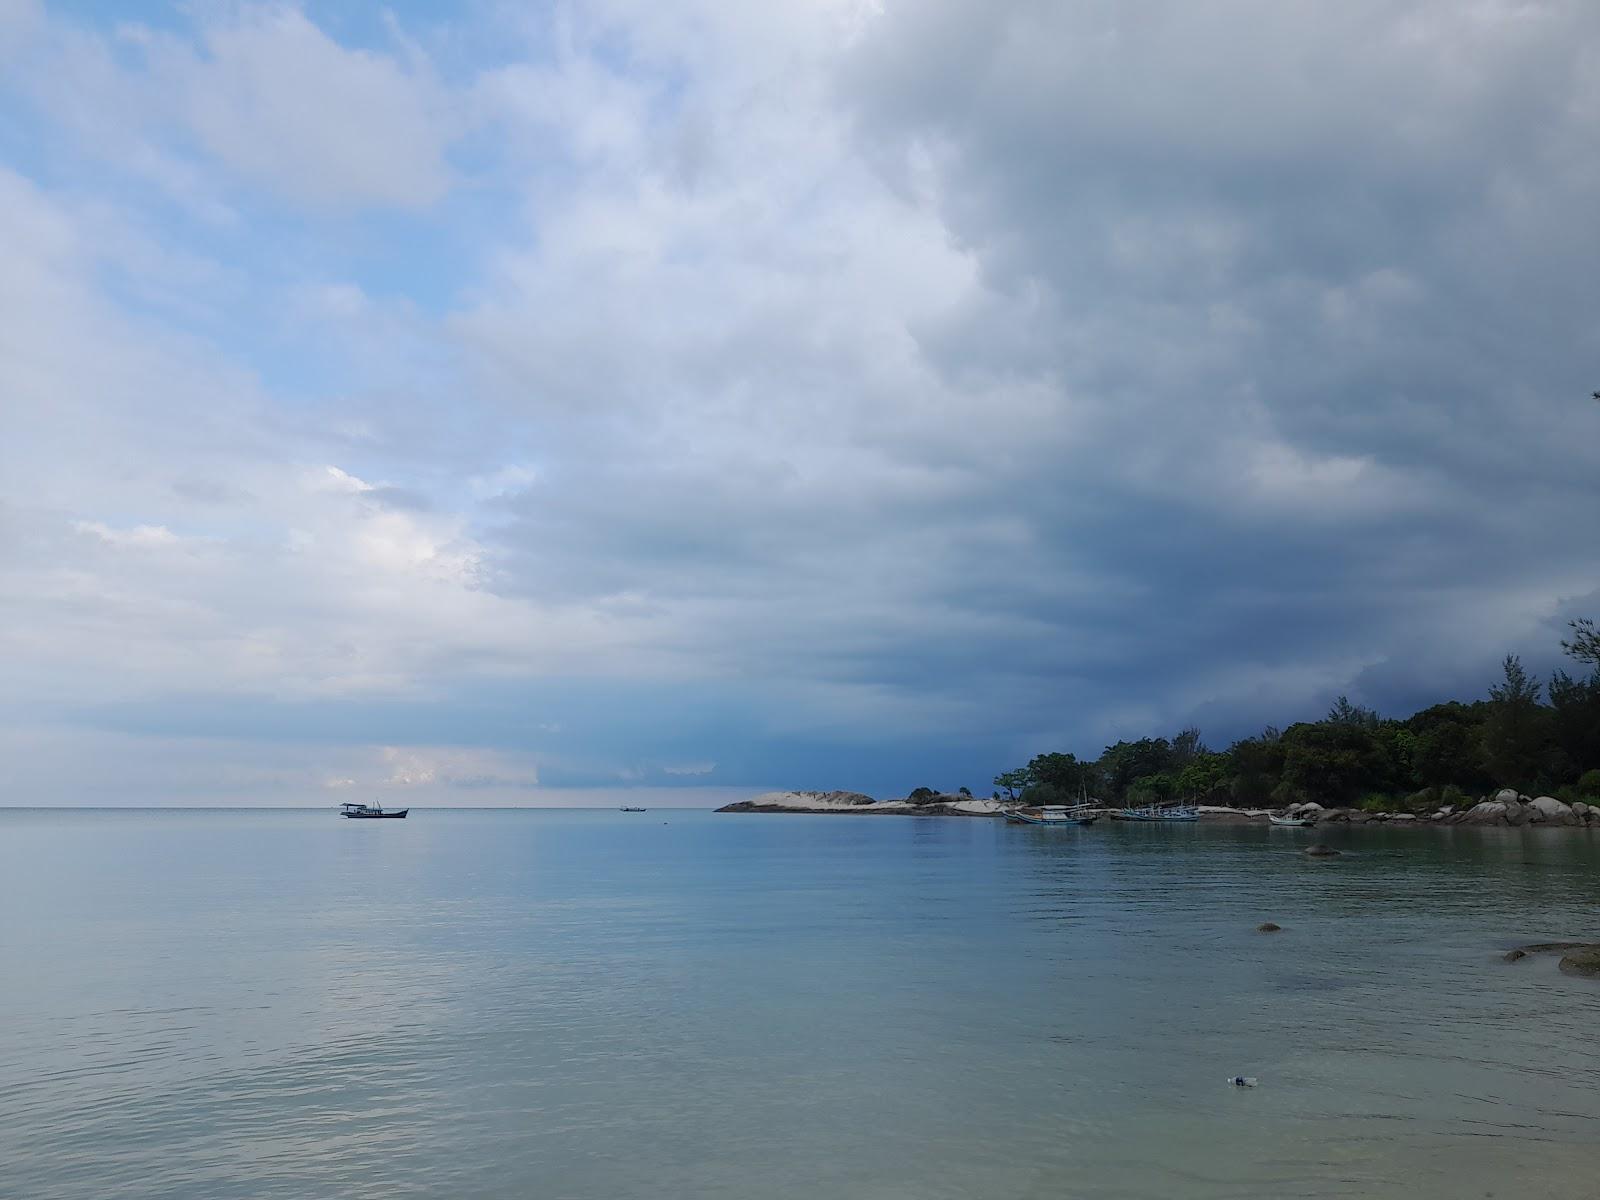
682, 1004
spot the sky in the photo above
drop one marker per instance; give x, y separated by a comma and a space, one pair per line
499, 403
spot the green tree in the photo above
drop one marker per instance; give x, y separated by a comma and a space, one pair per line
1014, 781
1585, 644
1186, 747
1060, 771
1516, 736
1345, 713
1257, 767
1400, 752
1334, 762
1448, 750
1040, 794
1575, 721
1205, 777
1147, 788
1124, 762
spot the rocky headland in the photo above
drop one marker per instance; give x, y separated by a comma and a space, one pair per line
855, 803
1505, 808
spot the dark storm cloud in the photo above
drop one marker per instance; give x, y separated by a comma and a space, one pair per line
1249, 235
863, 398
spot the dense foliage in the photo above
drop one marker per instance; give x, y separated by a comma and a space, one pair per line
1532, 736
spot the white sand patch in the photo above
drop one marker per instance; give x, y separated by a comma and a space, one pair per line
852, 802
806, 800
984, 808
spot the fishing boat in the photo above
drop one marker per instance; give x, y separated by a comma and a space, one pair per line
1291, 822
1053, 814
370, 811
1158, 812
625, 808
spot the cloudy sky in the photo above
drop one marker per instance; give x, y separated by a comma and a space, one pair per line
492, 403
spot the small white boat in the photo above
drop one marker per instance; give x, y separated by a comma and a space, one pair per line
1291, 822
1054, 814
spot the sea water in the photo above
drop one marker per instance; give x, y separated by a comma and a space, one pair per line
684, 1004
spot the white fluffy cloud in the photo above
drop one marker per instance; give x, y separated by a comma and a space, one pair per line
257, 90
286, 107
707, 393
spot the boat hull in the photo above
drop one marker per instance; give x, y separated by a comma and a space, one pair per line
1065, 817
377, 816
1157, 814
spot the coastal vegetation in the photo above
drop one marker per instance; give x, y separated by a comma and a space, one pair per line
1541, 737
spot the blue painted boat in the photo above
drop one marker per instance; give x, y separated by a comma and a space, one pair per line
1158, 812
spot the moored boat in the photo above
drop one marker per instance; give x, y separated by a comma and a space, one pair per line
1158, 812
370, 811
1291, 822
625, 808
1053, 814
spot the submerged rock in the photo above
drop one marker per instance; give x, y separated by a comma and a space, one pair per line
1319, 850
1268, 927
1577, 958
1584, 963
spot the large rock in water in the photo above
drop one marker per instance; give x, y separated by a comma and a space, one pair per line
800, 802
1487, 812
1320, 851
1505, 796
1547, 810
1584, 962
1577, 958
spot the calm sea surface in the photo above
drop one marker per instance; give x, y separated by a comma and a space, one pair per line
681, 1004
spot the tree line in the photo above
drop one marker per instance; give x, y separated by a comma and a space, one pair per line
1540, 737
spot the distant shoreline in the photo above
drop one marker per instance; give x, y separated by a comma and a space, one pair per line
1506, 809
